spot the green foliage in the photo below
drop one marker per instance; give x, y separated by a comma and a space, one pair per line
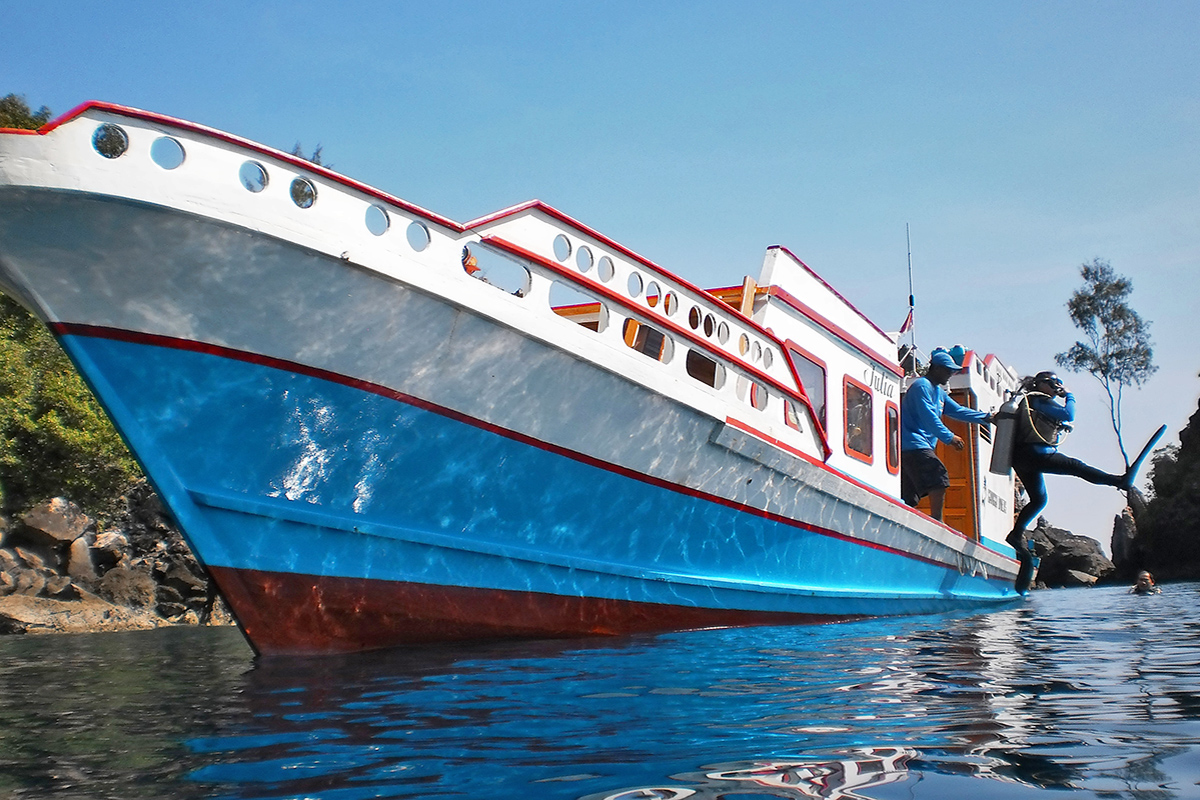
1169, 528
1117, 351
54, 437
15, 113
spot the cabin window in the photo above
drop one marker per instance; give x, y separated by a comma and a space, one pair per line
634, 285
704, 369
759, 396
646, 340
812, 377
568, 302
893, 438
791, 416
694, 317
487, 265
858, 421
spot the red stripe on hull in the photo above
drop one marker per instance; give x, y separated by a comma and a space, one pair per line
284, 613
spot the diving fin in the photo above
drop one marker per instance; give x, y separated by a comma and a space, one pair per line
1131, 473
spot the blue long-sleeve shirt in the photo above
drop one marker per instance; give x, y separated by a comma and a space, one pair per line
921, 412
1050, 407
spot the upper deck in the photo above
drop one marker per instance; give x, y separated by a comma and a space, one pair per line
785, 359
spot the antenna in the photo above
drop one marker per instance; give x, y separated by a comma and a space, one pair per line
912, 325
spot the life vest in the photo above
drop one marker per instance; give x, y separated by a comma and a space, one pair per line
1034, 427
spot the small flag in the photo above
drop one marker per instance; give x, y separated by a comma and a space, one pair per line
908, 321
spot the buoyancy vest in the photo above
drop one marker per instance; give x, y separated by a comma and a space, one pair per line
1034, 427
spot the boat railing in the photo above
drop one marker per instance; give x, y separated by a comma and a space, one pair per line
695, 337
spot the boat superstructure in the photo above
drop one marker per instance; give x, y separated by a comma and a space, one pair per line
378, 426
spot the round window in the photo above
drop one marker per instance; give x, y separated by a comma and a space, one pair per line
110, 140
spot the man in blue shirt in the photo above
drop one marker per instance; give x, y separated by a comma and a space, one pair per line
922, 473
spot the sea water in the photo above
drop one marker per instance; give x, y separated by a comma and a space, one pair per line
1094, 693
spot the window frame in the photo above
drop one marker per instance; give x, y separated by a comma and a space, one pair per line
847, 382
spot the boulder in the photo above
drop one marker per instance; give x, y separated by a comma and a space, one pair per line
127, 587
109, 550
1063, 553
53, 524
80, 566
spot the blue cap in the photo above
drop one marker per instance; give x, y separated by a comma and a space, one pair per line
940, 358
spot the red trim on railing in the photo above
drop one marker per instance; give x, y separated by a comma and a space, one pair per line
889, 364
656, 319
824, 283
160, 340
295, 161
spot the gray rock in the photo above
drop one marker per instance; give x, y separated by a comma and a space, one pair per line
54, 523
34, 560
109, 550
60, 587
127, 587
80, 566
29, 583
8, 560
1063, 552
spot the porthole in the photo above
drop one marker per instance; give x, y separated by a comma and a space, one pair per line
755, 351
670, 304
584, 259
417, 235
253, 176
167, 152
377, 220
605, 269
710, 324
634, 284
653, 294
723, 333
694, 317
743, 344
110, 140
768, 357
562, 247
304, 194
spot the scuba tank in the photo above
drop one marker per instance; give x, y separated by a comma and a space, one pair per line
1005, 436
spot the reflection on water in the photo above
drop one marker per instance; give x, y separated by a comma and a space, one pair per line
1091, 692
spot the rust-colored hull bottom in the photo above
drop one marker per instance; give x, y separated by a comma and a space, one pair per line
284, 613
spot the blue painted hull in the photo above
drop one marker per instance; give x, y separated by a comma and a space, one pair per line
310, 478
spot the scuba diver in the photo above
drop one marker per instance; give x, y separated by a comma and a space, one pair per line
1042, 423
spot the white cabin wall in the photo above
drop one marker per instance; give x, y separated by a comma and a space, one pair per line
849, 345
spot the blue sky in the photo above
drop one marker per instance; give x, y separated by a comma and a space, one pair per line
1017, 139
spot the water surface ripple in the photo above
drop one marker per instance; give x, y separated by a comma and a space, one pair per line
1091, 692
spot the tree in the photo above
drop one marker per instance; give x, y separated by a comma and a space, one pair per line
54, 437
15, 113
1117, 351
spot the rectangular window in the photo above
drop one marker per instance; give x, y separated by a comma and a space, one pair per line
858, 421
645, 340
812, 377
893, 437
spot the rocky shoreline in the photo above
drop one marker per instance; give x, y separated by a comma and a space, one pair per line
60, 573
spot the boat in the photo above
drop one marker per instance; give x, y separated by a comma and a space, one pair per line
377, 426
